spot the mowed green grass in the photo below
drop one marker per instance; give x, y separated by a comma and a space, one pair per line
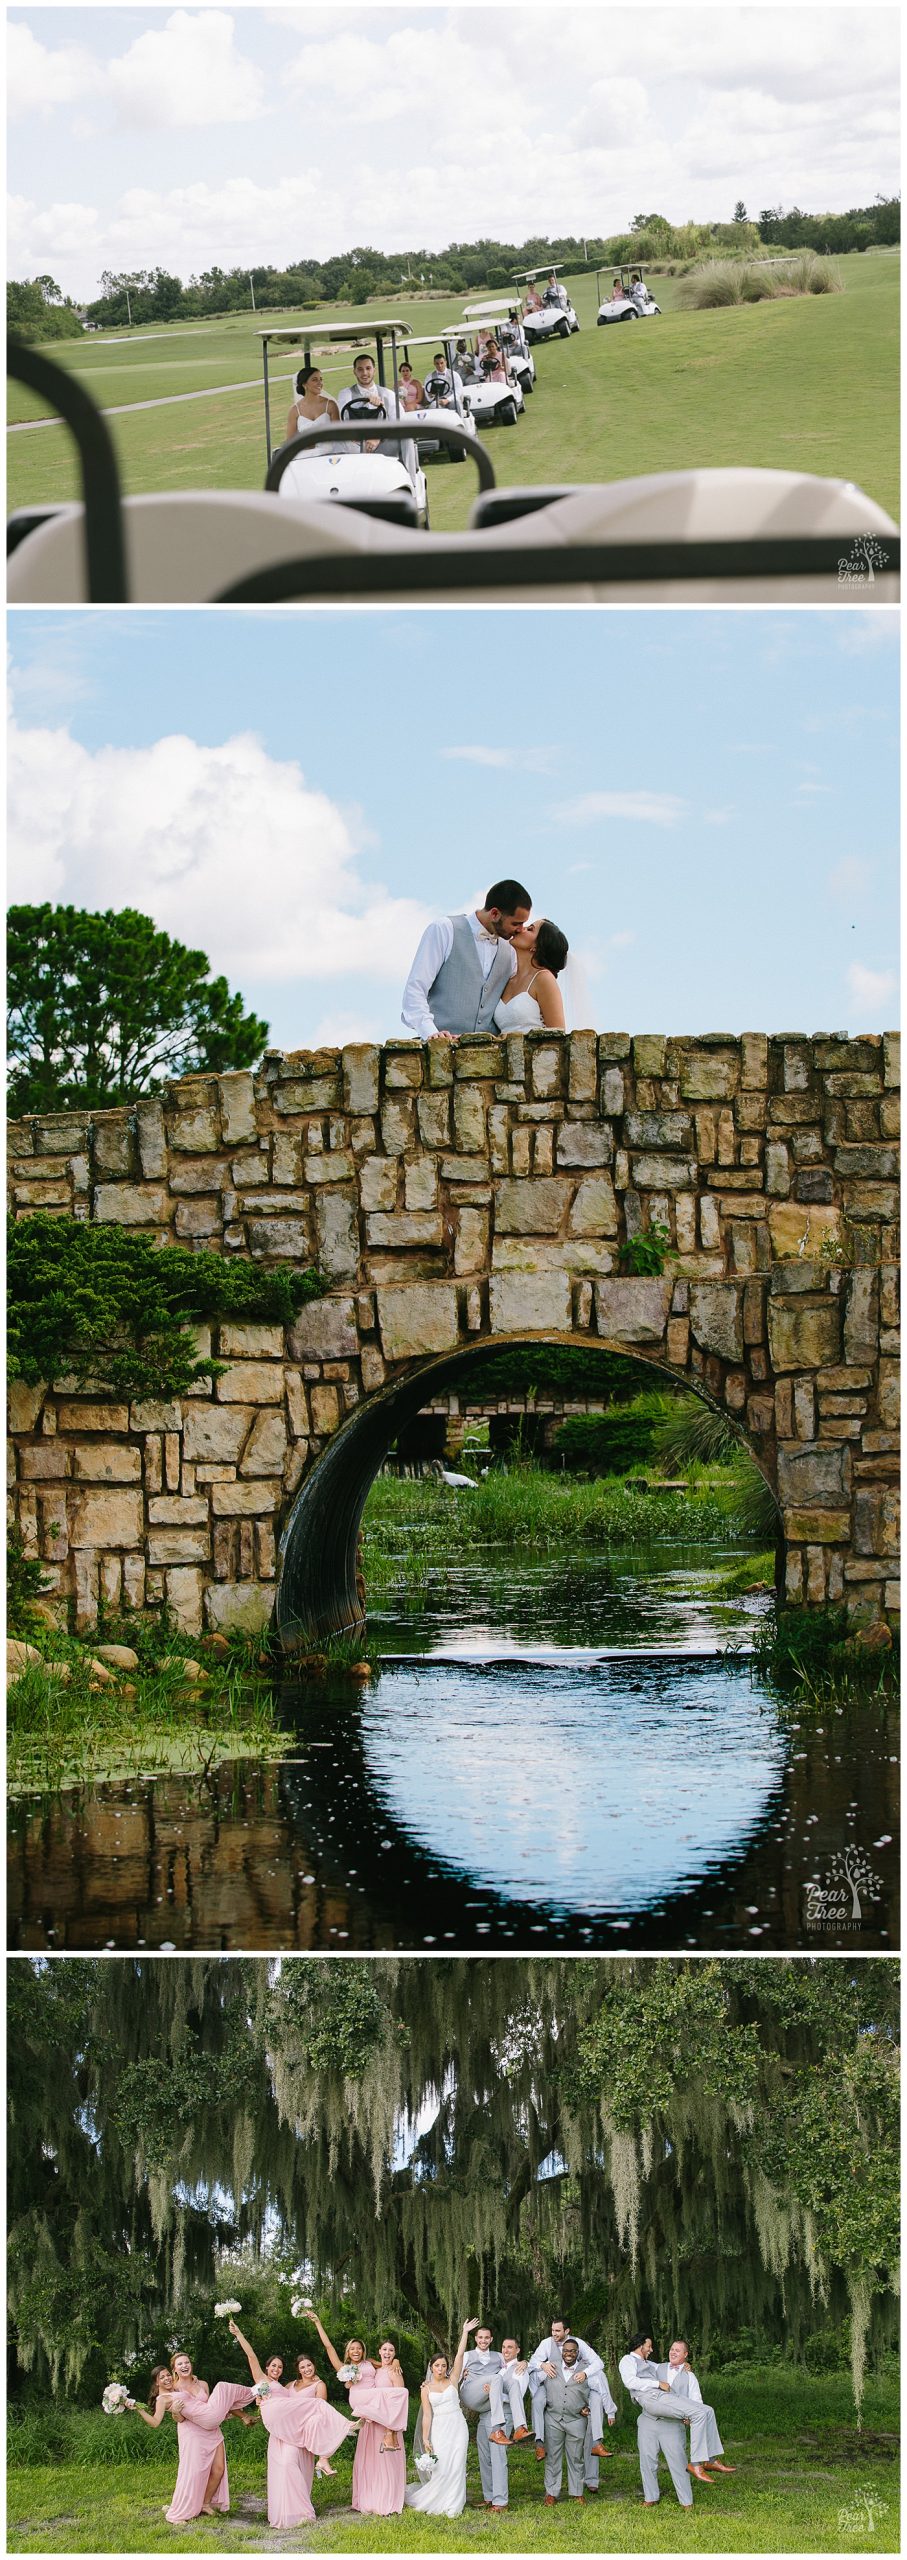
809, 384
800, 2485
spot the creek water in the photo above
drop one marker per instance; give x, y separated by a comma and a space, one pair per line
578, 1756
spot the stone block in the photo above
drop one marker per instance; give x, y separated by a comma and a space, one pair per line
469, 1119
802, 1337
420, 1185
658, 1129
547, 1070
790, 1222
777, 1168
152, 1140
247, 1382
244, 1501
194, 1131
665, 1173
107, 1462
889, 1394
360, 1062
530, 1302
217, 1432
103, 1516
406, 1227
584, 1143
177, 1511
824, 1528
891, 1054
876, 1164
205, 1173
179, 1546
111, 1142
378, 1180
532, 1208
25, 1405
433, 1113
250, 1341
707, 1077
709, 1223
266, 1447
678, 1341
337, 1165
582, 1073
62, 1134
243, 1606
533, 1253
236, 1097
419, 1318
876, 1520
277, 1239
398, 1126
84, 1415
374, 1370
131, 1204
633, 1310
337, 1231
612, 1094
716, 1317
197, 1218
594, 1211
184, 1586
753, 1061
324, 1330
812, 1475
297, 1405
649, 1054
471, 1243
861, 1317
403, 1068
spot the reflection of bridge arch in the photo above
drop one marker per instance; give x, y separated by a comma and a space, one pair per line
319, 1589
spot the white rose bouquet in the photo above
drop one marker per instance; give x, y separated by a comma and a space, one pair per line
300, 2303
114, 2399
261, 2390
348, 2372
426, 2463
226, 2310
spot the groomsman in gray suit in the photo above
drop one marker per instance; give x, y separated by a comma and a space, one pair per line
482, 2366
668, 2397
544, 2366
463, 964
566, 2419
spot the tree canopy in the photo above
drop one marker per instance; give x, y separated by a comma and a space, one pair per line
103, 1007
102, 1303
694, 2144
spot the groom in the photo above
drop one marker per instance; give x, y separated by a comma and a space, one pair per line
463, 964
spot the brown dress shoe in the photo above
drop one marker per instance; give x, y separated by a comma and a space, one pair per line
521, 2435
540, 2453
497, 2436
721, 2466
700, 2474
551, 2502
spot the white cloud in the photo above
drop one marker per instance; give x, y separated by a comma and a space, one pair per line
505, 759
38, 79
650, 808
194, 835
863, 634
187, 72
870, 990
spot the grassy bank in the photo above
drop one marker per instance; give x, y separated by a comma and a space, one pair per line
413, 1525
805, 2481
179, 1704
809, 384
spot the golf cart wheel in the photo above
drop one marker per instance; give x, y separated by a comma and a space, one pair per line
527, 387
563, 329
507, 413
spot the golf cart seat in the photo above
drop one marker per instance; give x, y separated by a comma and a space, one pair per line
185, 546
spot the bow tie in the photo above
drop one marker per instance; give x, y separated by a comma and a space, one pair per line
488, 937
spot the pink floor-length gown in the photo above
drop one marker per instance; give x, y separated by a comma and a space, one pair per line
300, 2426
379, 2479
199, 2434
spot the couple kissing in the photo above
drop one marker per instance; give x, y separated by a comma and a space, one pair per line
487, 970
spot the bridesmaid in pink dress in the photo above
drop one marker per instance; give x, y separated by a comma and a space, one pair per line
292, 2448
379, 2398
202, 2487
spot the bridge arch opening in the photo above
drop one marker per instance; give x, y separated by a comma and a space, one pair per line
320, 1591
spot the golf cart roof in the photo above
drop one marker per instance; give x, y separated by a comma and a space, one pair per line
439, 338
475, 312
336, 332
528, 274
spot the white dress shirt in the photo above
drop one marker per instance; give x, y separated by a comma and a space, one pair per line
638, 2373
436, 947
679, 2374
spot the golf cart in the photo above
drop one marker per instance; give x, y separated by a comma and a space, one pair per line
505, 317
479, 402
634, 302
554, 315
386, 482
734, 535
430, 447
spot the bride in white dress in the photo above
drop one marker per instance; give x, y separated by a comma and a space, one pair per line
533, 1000
445, 2434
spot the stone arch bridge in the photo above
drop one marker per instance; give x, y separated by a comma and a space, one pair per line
455, 1197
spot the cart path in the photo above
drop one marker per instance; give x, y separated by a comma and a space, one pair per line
169, 400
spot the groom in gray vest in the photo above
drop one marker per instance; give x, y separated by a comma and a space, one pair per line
463, 964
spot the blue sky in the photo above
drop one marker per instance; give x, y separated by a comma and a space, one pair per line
182, 137
706, 802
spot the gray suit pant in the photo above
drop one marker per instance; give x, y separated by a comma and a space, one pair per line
474, 2401
564, 2435
655, 2435
704, 2437
594, 2428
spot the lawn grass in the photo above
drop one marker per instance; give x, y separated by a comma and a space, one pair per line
803, 2483
809, 383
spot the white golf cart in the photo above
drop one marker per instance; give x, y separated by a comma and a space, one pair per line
553, 315
479, 401
385, 481
505, 317
634, 301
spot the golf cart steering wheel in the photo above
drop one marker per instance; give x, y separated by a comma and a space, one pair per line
104, 545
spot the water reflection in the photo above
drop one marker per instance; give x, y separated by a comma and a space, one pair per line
681, 1810
670, 1598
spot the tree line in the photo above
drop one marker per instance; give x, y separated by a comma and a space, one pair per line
359, 275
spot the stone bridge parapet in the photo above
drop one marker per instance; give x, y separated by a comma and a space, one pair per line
453, 1197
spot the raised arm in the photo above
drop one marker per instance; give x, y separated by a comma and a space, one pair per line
151, 2418
457, 2365
256, 2370
330, 2351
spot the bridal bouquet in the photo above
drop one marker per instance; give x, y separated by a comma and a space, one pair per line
426, 2463
226, 2310
299, 2304
348, 2372
261, 2390
114, 2399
